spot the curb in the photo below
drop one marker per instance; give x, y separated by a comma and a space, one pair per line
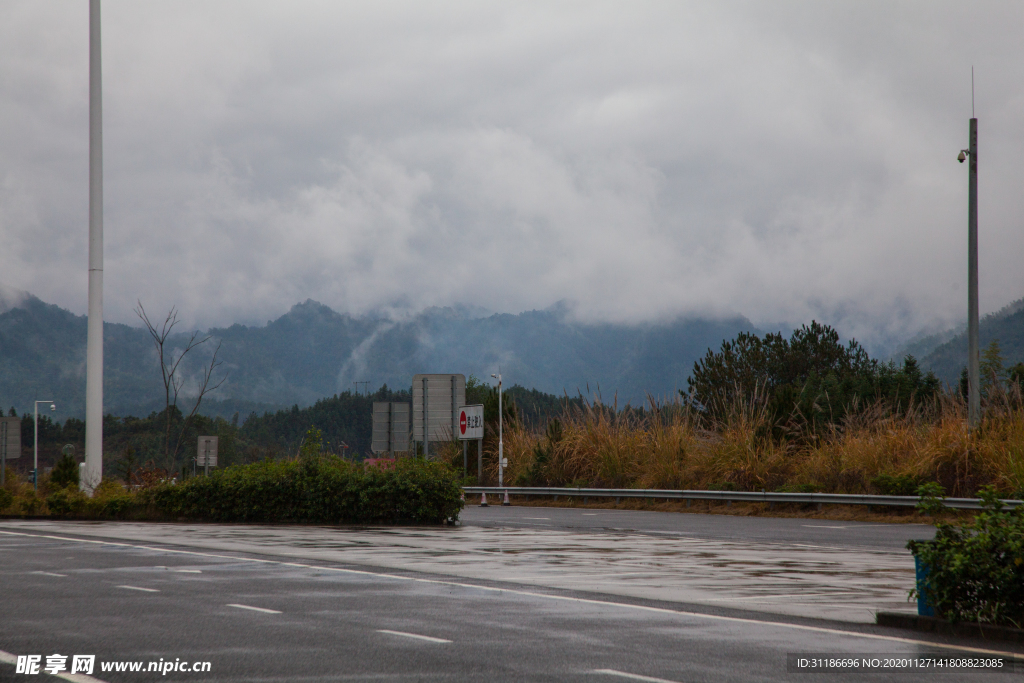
942, 627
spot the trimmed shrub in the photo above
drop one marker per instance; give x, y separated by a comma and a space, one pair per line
976, 571
65, 502
899, 485
314, 489
324, 490
65, 472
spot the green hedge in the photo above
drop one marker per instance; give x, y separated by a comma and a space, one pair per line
318, 490
976, 571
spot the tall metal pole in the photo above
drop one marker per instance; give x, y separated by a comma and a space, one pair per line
35, 448
501, 443
973, 361
94, 353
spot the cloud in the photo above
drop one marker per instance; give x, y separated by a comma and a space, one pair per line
640, 161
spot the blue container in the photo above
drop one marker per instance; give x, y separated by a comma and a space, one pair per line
924, 608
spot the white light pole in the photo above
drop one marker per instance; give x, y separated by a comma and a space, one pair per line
501, 444
94, 345
35, 443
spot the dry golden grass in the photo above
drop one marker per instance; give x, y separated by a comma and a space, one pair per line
665, 447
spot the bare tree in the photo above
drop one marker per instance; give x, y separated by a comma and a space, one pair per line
173, 382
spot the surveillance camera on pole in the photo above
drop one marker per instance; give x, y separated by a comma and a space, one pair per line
973, 360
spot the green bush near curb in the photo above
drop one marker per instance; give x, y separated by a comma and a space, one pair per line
976, 571
311, 490
318, 490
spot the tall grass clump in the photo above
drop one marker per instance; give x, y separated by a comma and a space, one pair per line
673, 446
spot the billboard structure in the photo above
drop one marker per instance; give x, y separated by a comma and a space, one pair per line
436, 400
391, 427
206, 452
10, 443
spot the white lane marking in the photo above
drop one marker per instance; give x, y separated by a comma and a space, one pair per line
63, 576
413, 635
822, 526
8, 658
533, 594
137, 588
188, 571
590, 514
255, 609
635, 677
544, 518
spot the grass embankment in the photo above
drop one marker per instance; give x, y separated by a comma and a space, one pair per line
318, 490
672, 448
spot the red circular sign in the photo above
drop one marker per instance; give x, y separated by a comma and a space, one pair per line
462, 421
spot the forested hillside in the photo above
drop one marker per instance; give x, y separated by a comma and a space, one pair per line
1005, 327
312, 352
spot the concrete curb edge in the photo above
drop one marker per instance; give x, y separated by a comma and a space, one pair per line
942, 627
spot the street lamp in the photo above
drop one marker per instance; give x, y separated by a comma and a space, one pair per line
501, 445
35, 443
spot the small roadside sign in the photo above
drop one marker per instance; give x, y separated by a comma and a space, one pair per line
206, 451
10, 437
471, 422
10, 443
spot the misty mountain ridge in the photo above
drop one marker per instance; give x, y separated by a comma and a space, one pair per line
313, 351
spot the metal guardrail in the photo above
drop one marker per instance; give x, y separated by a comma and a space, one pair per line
731, 496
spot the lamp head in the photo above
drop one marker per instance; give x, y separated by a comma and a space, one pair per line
961, 156
53, 406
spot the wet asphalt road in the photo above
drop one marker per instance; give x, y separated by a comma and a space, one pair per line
328, 621
713, 527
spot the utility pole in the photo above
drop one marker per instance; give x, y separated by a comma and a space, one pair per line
94, 345
501, 443
973, 361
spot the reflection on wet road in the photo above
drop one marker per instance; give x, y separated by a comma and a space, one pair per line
847, 584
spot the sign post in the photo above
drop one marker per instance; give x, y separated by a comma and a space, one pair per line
471, 428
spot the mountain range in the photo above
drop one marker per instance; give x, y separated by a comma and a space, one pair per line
313, 351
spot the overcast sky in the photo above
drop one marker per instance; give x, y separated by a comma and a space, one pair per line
783, 161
